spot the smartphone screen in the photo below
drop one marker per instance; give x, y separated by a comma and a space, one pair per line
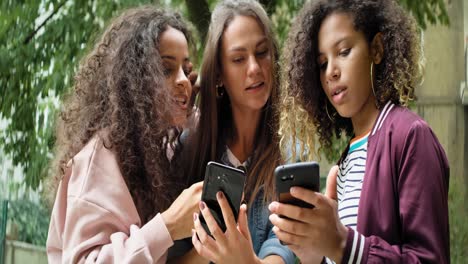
230, 181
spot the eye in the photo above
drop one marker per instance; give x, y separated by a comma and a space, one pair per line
345, 52
323, 66
238, 59
187, 71
262, 53
167, 71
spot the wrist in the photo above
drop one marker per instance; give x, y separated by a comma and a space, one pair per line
170, 224
340, 248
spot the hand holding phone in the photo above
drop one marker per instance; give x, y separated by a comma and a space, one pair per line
230, 181
302, 174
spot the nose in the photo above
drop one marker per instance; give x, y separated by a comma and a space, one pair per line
332, 72
182, 82
253, 67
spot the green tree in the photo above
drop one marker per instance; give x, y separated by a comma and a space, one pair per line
41, 43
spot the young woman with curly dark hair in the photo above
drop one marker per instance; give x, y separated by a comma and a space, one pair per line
237, 127
116, 139
352, 67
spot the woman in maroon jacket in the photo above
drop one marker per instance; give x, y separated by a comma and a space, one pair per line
352, 67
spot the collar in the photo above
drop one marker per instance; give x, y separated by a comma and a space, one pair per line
382, 116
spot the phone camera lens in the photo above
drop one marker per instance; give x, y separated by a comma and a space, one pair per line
291, 177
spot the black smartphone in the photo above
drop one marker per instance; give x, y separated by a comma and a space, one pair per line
303, 174
230, 181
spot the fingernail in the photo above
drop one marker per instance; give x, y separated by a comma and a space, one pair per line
271, 218
195, 216
272, 206
293, 190
220, 195
202, 205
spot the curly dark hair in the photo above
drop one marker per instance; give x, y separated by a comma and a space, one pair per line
119, 95
303, 99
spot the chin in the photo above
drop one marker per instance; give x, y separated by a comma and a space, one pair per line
345, 113
179, 121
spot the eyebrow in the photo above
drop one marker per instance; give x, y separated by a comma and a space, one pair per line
239, 48
169, 57
336, 43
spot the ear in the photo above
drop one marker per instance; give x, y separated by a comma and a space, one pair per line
377, 48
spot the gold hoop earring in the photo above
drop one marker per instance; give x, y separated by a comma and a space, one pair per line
372, 82
326, 110
372, 78
219, 90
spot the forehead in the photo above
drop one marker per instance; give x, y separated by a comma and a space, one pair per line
242, 31
173, 42
334, 27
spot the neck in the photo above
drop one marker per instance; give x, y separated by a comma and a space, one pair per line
365, 119
245, 129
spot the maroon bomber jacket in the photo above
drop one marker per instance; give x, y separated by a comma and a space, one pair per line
403, 209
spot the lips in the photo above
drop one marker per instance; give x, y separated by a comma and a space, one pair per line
182, 101
338, 93
255, 86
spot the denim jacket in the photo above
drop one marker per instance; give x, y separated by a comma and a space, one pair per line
264, 240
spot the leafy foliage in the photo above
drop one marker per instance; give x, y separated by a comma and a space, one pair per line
41, 43
458, 212
28, 222
432, 11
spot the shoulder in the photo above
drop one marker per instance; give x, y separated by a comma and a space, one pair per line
94, 178
94, 167
401, 123
403, 118
405, 134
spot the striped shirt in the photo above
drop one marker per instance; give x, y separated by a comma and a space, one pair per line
349, 182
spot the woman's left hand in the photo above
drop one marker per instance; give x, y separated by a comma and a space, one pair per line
234, 245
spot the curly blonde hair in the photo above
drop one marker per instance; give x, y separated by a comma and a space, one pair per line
120, 90
305, 111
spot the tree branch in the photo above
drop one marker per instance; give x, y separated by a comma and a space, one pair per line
199, 13
33, 33
269, 5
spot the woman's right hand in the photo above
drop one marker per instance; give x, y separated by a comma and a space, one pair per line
179, 216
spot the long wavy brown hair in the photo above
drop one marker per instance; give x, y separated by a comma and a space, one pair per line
119, 95
215, 125
305, 110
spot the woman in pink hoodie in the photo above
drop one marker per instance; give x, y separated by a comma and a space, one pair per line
120, 196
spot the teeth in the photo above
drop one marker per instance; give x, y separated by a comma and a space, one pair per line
337, 92
256, 85
180, 100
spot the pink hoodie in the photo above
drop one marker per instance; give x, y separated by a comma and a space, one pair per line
94, 219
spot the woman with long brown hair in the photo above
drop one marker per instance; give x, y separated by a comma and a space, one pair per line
237, 126
117, 138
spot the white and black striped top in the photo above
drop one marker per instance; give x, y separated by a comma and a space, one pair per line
349, 182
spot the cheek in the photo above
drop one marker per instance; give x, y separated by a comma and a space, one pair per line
323, 81
169, 84
232, 77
